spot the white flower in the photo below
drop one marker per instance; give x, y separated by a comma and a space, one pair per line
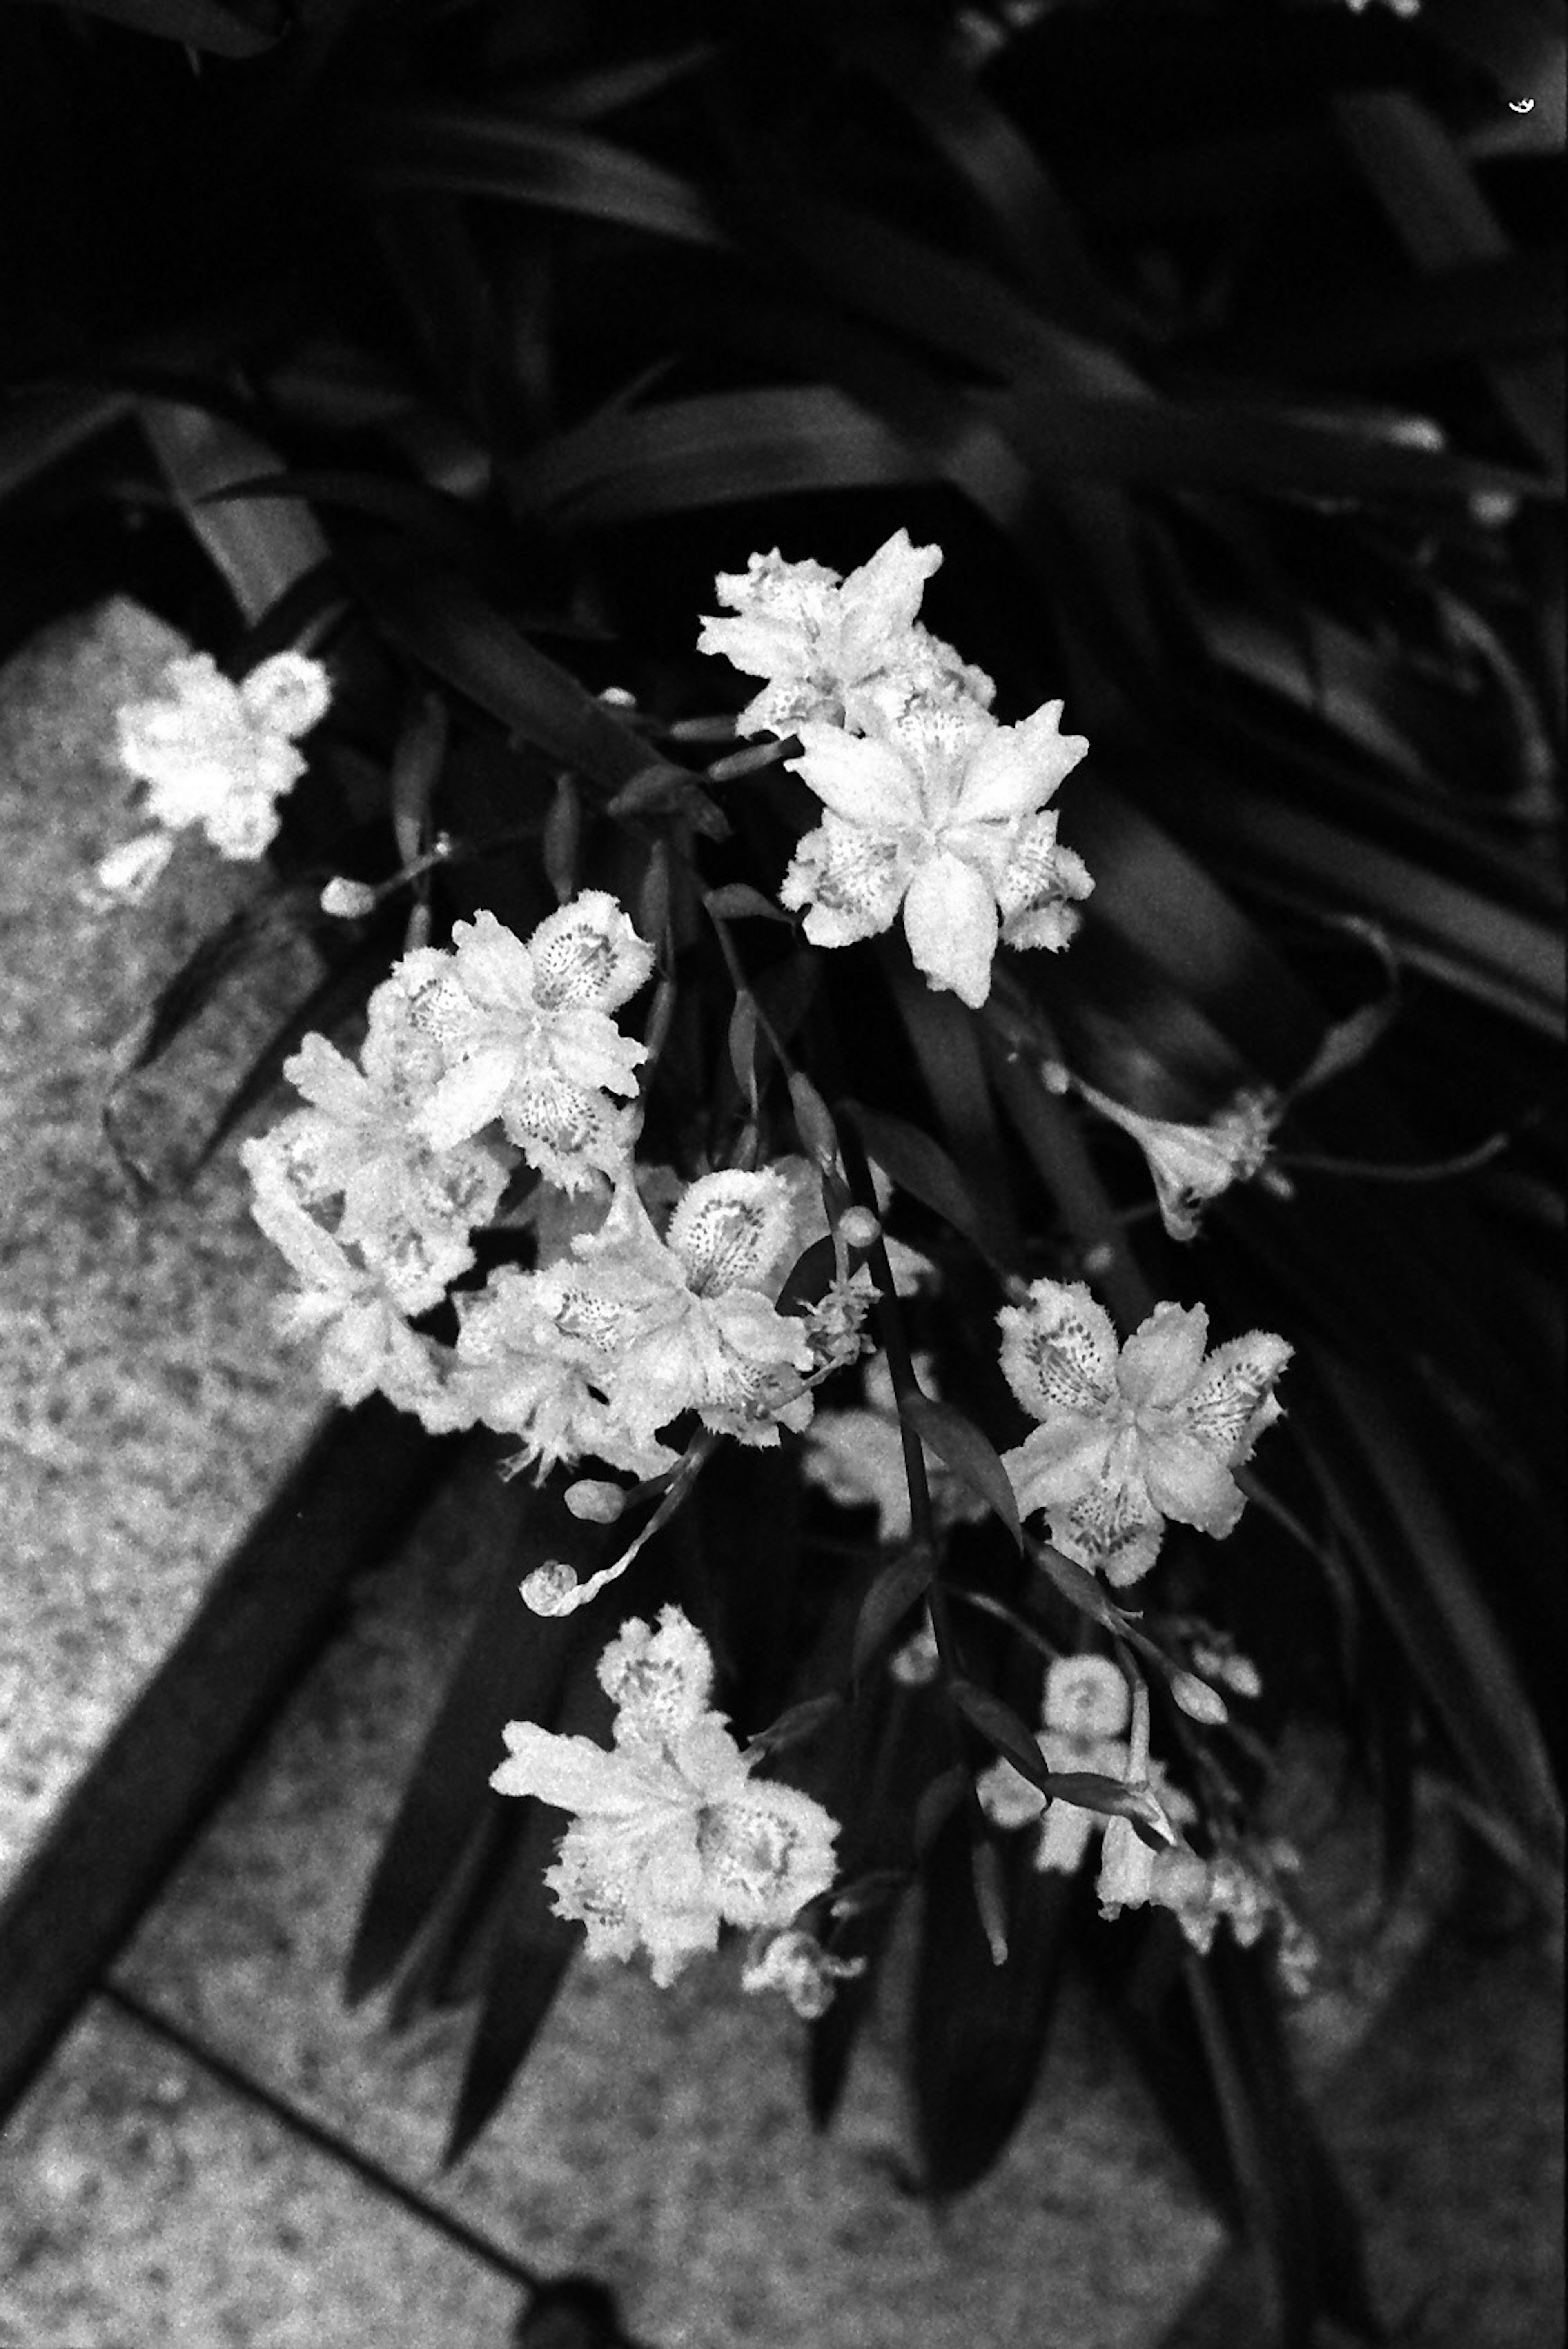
521, 1033
366, 1344
532, 1355
408, 1208
858, 1458
1130, 1437
797, 1965
834, 651
696, 1328
940, 813
221, 755
1194, 1164
669, 1837
626, 1330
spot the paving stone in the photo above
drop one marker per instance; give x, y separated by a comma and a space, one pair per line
145, 2206
655, 2138
145, 1411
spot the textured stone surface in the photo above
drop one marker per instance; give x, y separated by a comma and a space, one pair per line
655, 2138
145, 1413
144, 2205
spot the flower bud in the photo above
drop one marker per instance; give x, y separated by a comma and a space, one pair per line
551, 1588
594, 1503
859, 1227
348, 900
1198, 1700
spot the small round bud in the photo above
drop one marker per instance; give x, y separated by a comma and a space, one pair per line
619, 697
1056, 1077
594, 1502
1198, 1700
551, 1588
859, 1227
348, 900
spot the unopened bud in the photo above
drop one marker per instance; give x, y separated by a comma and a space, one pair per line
1198, 1700
594, 1503
348, 900
551, 1588
859, 1227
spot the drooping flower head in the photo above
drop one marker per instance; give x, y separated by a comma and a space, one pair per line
669, 1837
1192, 1164
1129, 1436
835, 650
939, 811
221, 755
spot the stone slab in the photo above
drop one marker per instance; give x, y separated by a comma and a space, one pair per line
658, 2139
145, 2205
145, 1410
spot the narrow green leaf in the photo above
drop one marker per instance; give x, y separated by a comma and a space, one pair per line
886, 1604
714, 448
968, 1454
921, 1167
514, 1667
473, 150
938, 1800
797, 1724
737, 901
224, 29
1000, 1726
260, 549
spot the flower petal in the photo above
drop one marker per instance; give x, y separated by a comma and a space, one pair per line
1059, 1352
1013, 770
950, 921
1161, 1359
865, 783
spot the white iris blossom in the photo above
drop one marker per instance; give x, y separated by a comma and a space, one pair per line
523, 1034
1129, 1436
669, 1836
220, 755
941, 812
834, 651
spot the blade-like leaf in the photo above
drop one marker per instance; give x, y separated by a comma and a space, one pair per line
513, 1668
888, 1602
968, 1454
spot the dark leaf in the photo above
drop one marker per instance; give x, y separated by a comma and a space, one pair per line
887, 1603
737, 901
225, 28
513, 1668
260, 548
979, 2029
968, 1454
471, 151
531, 1958
921, 1167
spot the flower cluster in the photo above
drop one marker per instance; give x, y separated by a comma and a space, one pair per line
933, 805
649, 1298
1129, 1436
669, 1837
215, 755
660, 1311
